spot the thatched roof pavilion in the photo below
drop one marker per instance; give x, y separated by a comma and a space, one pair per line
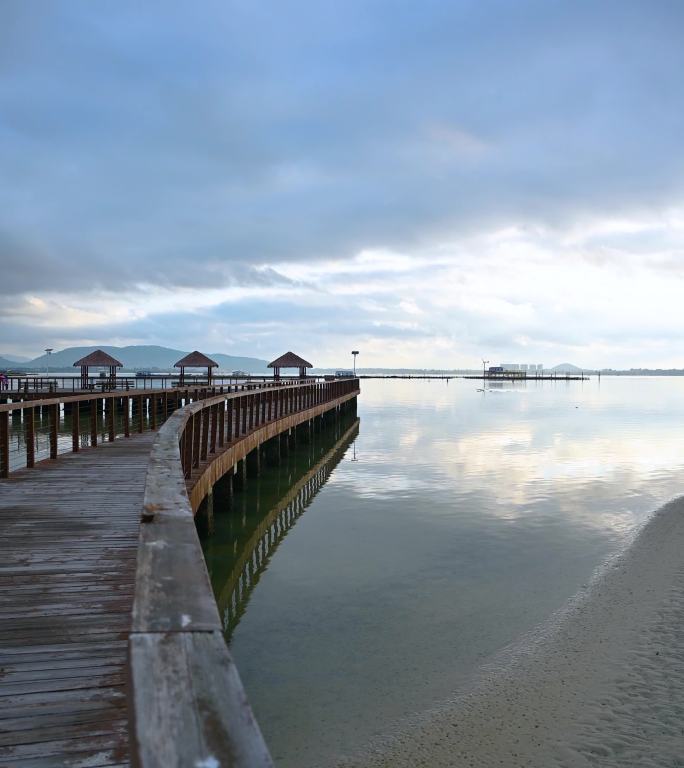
98, 359
289, 360
195, 360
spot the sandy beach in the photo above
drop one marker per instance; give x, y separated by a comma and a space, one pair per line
600, 684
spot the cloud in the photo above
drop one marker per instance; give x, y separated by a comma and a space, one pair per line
474, 173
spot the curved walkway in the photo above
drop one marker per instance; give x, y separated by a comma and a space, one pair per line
67, 571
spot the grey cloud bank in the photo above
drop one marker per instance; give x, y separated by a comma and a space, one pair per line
154, 154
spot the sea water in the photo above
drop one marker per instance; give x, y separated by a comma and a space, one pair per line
442, 527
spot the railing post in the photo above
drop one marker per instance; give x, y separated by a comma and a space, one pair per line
140, 413
4, 444
30, 436
196, 434
111, 418
230, 420
93, 422
244, 403
153, 411
250, 405
206, 413
54, 425
187, 446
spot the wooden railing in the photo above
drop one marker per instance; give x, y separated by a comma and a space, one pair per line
18, 384
90, 418
188, 706
222, 420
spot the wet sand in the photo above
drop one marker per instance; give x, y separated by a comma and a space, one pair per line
600, 684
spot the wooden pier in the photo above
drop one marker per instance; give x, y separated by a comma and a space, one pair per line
111, 643
67, 571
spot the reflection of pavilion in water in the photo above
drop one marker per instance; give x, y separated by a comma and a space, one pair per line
234, 593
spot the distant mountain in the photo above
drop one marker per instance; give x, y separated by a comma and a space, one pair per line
567, 368
14, 358
143, 357
6, 363
246, 364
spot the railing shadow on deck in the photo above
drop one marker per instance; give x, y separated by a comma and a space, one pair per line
187, 704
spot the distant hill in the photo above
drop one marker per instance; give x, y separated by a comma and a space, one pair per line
567, 368
140, 357
6, 363
14, 358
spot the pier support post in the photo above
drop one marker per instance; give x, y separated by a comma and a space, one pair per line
54, 426
253, 462
93, 422
205, 514
4, 444
75, 429
30, 436
109, 406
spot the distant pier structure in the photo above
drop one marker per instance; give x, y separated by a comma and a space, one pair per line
525, 372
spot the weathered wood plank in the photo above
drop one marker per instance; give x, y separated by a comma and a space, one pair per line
180, 672
67, 572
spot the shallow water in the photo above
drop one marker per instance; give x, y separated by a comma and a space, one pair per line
452, 524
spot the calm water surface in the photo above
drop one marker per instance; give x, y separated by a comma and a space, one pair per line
452, 523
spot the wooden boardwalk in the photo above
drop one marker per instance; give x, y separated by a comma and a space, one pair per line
67, 569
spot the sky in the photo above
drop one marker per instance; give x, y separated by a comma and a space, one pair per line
429, 183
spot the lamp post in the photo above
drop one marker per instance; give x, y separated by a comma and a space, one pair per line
484, 366
48, 352
355, 352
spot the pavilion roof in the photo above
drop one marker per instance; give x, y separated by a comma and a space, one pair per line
196, 360
289, 360
98, 357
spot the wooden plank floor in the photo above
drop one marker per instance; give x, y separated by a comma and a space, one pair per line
69, 533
